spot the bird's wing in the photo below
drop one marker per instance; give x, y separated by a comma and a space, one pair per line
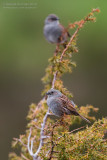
64, 31
67, 104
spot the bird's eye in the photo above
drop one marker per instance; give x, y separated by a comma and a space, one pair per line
53, 19
52, 92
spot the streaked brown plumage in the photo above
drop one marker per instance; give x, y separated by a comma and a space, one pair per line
59, 104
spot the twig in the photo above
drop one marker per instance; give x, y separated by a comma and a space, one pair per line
69, 43
52, 142
54, 79
42, 136
28, 144
16, 139
37, 127
56, 50
77, 129
38, 106
67, 46
24, 157
40, 103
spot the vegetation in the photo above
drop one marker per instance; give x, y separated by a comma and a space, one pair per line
49, 138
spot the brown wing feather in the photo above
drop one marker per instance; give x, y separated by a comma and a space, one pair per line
67, 103
64, 31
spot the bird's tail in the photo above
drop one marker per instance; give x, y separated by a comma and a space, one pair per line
84, 118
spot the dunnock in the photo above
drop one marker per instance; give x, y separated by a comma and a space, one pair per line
54, 32
59, 104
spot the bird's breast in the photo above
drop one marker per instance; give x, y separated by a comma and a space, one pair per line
52, 33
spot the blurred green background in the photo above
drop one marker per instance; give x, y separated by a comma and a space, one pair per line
24, 54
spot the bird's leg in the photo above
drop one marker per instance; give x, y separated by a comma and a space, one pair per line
56, 50
49, 114
64, 44
63, 123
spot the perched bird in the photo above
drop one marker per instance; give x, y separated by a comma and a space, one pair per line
54, 32
59, 104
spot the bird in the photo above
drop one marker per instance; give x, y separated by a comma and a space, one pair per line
54, 32
60, 105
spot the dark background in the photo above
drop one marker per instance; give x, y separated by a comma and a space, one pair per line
24, 54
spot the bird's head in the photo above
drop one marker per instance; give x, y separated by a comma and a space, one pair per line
52, 19
53, 93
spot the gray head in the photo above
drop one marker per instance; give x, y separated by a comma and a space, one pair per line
52, 18
53, 93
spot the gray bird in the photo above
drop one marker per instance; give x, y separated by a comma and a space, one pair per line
54, 32
59, 104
